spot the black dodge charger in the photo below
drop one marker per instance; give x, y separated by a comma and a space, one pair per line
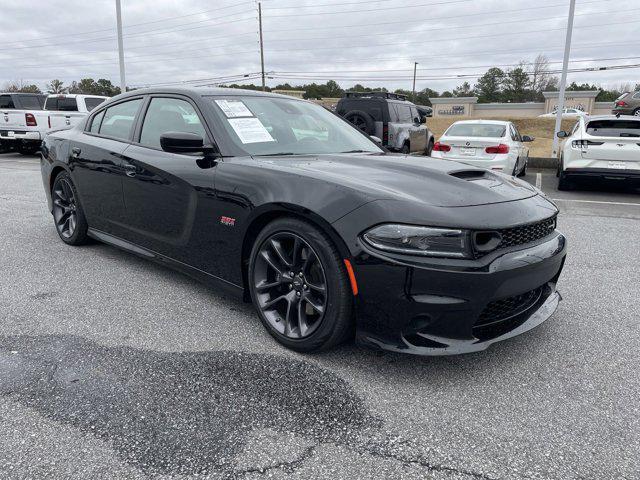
285, 204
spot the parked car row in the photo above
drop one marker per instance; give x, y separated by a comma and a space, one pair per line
25, 118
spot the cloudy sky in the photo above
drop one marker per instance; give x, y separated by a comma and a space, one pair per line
351, 41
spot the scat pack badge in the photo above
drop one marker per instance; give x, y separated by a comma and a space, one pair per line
228, 221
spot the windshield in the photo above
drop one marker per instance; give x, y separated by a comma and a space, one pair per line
272, 126
476, 130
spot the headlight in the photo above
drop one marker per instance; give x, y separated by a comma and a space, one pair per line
425, 241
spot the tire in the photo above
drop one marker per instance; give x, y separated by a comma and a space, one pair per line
523, 172
406, 149
429, 148
636, 112
27, 150
68, 215
564, 183
361, 120
272, 252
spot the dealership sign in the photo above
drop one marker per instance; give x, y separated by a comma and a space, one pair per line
454, 110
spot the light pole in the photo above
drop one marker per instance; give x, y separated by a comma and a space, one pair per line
563, 78
413, 94
123, 83
261, 44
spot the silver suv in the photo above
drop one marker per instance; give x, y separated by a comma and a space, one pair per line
390, 117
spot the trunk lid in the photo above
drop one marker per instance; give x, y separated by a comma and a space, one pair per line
472, 148
12, 119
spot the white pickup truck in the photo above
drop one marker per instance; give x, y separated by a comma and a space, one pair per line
26, 128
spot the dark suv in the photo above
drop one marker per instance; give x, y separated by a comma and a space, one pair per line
390, 117
628, 104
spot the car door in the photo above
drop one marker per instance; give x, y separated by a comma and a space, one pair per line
168, 196
96, 164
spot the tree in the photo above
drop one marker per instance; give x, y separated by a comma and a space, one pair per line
463, 90
89, 86
56, 86
446, 94
20, 86
516, 85
489, 86
540, 78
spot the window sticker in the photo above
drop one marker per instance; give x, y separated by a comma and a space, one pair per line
250, 130
234, 108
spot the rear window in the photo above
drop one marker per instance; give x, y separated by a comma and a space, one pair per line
614, 128
476, 130
65, 104
6, 101
92, 103
30, 102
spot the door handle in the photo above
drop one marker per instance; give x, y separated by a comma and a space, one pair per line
75, 151
129, 170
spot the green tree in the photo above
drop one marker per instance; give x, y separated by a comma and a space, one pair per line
463, 90
56, 86
516, 85
489, 86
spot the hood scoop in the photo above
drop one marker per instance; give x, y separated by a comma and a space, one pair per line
482, 177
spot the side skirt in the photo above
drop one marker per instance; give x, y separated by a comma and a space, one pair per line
195, 273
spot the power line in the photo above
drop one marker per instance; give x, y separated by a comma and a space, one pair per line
131, 25
429, 19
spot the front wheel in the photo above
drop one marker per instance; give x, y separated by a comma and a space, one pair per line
405, 148
68, 215
299, 286
429, 148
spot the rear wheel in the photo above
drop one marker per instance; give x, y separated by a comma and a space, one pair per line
564, 183
299, 286
68, 215
429, 148
636, 112
361, 120
406, 148
28, 149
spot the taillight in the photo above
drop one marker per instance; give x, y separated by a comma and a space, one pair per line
621, 103
385, 135
31, 120
441, 147
502, 148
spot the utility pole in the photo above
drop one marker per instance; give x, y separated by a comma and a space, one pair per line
413, 95
123, 83
261, 44
563, 78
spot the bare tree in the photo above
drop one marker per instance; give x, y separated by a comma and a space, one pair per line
539, 75
20, 86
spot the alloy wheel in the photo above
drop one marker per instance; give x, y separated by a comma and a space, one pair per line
65, 213
290, 285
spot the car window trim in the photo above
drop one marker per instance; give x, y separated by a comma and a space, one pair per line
143, 114
87, 124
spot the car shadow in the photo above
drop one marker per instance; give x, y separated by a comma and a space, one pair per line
177, 413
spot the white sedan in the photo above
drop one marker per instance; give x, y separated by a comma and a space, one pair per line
566, 113
491, 144
604, 147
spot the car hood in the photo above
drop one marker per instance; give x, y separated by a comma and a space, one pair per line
420, 179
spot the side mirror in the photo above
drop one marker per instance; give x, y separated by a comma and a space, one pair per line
423, 119
562, 134
416, 120
183, 142
375, 139
527, 138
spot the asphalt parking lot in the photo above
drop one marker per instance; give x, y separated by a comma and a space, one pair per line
114, 367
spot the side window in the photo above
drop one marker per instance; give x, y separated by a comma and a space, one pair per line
118, 120
6, 101
404, 114
414, 113
393, 113
636, 96
51, 104
512, 133
95, 122
92, 103
517, 133
169, 115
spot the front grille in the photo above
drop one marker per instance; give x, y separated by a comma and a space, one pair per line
505, 308
510, 237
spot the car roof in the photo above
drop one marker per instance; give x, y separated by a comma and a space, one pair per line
204, 92
611, 117
486, 122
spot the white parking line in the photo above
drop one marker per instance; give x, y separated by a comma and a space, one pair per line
538, 180
595, 201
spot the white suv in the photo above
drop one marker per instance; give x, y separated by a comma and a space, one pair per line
604, 147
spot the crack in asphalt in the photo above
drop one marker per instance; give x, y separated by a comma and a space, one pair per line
289, 467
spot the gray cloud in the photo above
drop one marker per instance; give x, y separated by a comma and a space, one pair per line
373, 43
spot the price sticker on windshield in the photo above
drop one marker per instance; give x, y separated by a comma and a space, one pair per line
234, 108
250, 130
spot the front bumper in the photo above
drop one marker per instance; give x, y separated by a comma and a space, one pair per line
456, 306
9, 135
